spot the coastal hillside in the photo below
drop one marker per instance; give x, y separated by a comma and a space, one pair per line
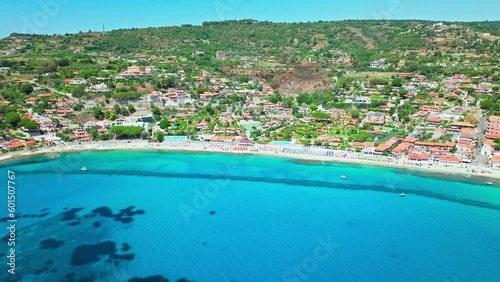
292, 57
290, 43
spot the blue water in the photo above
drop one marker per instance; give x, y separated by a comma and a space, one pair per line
209, 217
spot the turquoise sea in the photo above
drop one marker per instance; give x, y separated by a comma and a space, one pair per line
211, 217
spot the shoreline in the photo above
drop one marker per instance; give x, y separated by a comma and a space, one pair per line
257, 150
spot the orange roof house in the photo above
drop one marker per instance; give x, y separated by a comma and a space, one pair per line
410, 139
434, 120
401, 148
362, 145
450, 159
496, 159
419, 157
440, 146
460, 125
384, 147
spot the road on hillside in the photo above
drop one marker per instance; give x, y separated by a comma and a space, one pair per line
54, 90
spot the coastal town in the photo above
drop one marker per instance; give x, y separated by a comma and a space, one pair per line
444, 116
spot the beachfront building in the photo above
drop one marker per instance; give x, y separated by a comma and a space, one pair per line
16, 144
363, 146
225, 139
432, 146
495, 162
401, 149
419, 157
386, 146
450, 160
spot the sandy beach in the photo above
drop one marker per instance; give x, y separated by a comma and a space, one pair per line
291, 152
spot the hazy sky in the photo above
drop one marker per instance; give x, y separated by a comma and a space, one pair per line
70, 16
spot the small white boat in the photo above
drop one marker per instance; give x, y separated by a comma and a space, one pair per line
489, 183
467, 176
402, 195
343, 176
83, 168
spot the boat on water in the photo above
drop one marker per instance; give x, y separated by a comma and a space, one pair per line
343, 176
402, 194
489, 183
83, 168
467, 176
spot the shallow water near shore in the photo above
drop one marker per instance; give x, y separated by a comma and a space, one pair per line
214, 217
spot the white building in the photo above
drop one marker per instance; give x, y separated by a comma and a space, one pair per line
102, 87
5, 69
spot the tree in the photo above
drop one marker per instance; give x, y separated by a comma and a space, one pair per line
112, 116
321, 116
341, 84
243, 79
63, 62
487, 104
131, 108
164, 123
397, 82
402, 92
28, 124
156, 111
12, 118
288, 102
313, 107
160, 136
124, 111
98, 113
355, 114
497, 144
93, 132
78, 91
275, 98
116, 109
26, 88
126, 131
78, 107
126, 95
169, 82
